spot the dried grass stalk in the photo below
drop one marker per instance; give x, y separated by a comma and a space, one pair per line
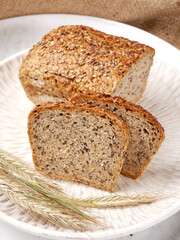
29, 199
119, 200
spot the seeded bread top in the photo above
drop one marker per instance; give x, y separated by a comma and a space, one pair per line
79, 57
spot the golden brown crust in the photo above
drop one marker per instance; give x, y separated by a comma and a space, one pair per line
92, 62
124, 104
102, 112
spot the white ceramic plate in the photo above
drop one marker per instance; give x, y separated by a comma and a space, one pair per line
162, 99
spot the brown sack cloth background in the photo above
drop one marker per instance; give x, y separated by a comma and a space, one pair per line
160, 17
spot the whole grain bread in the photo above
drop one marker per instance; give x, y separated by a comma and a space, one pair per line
146, 133
72, 59
83, 143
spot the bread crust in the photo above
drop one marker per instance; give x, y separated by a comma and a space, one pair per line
102, 112
124, 104
94, 62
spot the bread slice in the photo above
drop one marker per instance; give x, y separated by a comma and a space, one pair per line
146, 133
72, 59
81, 143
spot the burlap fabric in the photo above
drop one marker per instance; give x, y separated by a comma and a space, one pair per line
160, 17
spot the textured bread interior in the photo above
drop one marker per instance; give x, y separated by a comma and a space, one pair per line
133, 85
78, 145
146, 134
145, 140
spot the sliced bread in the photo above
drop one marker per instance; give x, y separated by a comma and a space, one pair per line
72, 59
146, 133
81, 143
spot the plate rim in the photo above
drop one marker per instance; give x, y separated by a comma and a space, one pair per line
106, 234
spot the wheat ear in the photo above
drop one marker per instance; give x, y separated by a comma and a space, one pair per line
36, 181
29, 199
15, 165
40, 184
119, 200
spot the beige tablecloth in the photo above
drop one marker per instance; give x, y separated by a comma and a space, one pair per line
160, 17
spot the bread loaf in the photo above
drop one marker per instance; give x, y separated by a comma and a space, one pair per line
80, 143
72, 59
146, 133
